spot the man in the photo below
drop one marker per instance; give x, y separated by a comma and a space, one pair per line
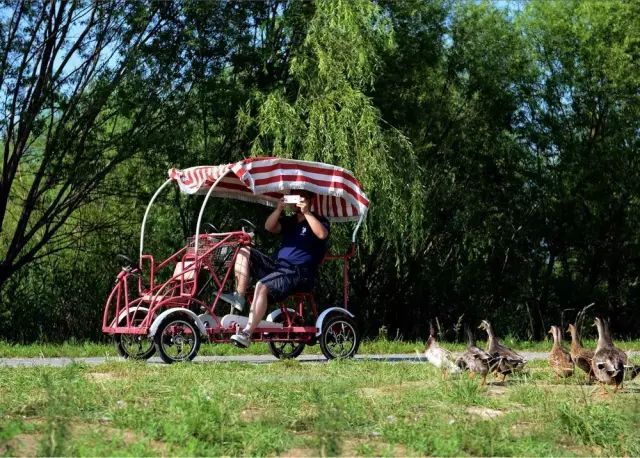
304, 243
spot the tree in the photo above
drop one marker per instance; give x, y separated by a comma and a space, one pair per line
497, 141
327, 114
77, 97
583, 124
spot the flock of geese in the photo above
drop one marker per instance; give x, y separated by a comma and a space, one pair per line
606, 364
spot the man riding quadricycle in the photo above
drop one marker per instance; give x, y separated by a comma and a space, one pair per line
172, 316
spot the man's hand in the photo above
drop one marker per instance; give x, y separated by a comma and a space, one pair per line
318, 229
304, 206
272, 223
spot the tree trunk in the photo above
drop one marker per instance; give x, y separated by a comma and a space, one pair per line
543, 304
6, 270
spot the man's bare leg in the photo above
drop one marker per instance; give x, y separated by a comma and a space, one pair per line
258, 308
241, 269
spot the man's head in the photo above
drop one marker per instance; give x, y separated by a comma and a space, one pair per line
308, 196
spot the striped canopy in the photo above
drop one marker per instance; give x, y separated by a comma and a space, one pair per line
339, 195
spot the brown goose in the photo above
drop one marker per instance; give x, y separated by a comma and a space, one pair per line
581, 357
559, 358
608, 360
474, 359
507, 361
631, 372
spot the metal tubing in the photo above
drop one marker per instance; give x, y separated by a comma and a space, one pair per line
105, 315
355, 231
345, 283
204, 204
146, 213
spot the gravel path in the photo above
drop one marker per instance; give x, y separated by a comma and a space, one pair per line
255, 359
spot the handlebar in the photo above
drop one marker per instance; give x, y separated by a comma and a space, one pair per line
248, 223
213, 228
131, 266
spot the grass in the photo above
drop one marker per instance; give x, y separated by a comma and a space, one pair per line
290, 408
74, 349
88, 349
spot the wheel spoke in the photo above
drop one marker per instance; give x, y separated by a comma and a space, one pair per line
178, 340
287, 349
135, 346
340, 338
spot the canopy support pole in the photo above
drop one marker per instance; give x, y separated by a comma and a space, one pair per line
146, 213
204, 204
355, 231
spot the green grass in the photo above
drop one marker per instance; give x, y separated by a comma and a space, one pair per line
86, 349
340, 408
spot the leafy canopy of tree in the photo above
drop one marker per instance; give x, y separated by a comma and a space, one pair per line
498, 143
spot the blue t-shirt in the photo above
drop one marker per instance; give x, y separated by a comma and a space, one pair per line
300, 246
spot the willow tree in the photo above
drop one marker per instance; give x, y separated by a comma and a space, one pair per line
327, 113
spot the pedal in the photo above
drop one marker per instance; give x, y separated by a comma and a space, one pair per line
232, 321
209, 321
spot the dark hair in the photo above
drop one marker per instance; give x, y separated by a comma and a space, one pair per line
304, 193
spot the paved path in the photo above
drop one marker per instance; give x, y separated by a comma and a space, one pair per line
255, 359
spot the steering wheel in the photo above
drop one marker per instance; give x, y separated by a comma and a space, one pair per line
248, 223
256, 233
131, 266
212, 227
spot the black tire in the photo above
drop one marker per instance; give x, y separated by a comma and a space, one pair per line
286, 350
135, 346
173, 334
339, 338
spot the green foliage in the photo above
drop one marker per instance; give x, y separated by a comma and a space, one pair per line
331, 118
497, 143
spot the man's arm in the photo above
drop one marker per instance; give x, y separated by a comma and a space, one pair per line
319, 229
272, 224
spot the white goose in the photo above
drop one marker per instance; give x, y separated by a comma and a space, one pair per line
438, 356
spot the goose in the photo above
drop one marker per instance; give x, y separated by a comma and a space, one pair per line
608, 360
507, 361
474, 359
559, 358
437, 355
581, 357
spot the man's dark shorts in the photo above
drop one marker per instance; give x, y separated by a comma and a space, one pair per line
280, 277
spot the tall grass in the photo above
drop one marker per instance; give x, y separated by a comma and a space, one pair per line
338, 408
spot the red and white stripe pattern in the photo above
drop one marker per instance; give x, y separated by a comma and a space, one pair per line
339, 195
